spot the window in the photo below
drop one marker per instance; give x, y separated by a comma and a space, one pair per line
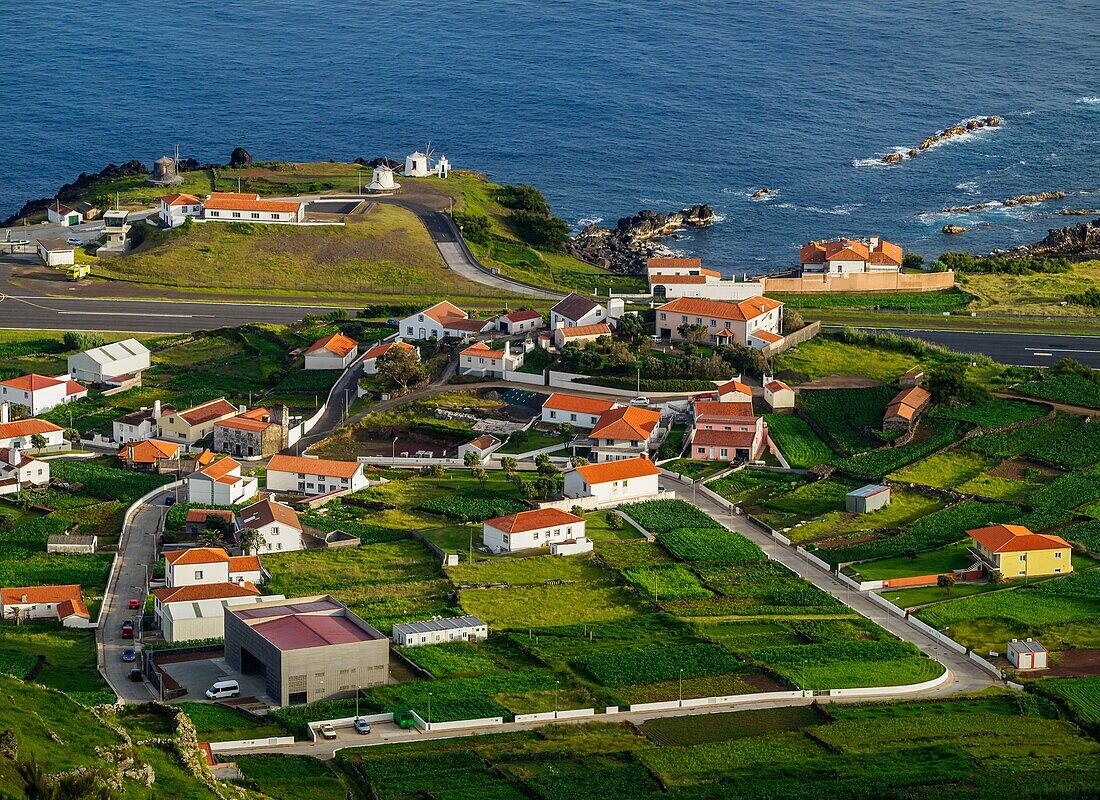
553, 415
1058, 554
1057, 570
1021, 572
724, 452
198, 574
236, 214
573, 417
624, 484
255, 215
662, 315
1023, 557
410, 330
714, 323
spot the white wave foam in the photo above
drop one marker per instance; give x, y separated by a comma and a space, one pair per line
838, 211
718, 219
1088, 101
970, 187
584, 222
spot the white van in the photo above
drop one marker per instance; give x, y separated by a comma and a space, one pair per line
223, 689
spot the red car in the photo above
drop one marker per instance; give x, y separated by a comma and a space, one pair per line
128, 630
135, 603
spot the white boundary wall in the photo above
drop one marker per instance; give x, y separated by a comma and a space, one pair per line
524, 377
714, 701
552, 715
817, 562
981, 662
240, 744
935, 635
909, 689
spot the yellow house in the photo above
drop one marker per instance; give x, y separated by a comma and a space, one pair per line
193, 424
1017, 552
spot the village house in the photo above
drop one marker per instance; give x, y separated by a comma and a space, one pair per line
578, 334
258, 433
778, 396
1014, 551
40, 394
670, 278
199, 520
150, 455
442, 320
56, 252
903, 411
580, 412
438, 630
209, 565
277, 523
87, 210
721, 322
847, 256
482, 360
189, 613
614, 482
520, 322
624, 432
63, 603
914, 377
731, 391
332, 352
575, 310
247, 207
483, 447
109, 362
19, 471
141, 424
726, 431
176, 209
531, 529
220, 484
314, 475
61, 214
195, 423
21, 433
370, 358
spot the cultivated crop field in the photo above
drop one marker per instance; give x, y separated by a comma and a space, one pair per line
712, 545
289, 777
1076, 449
1080, 695
660, 516
804, 502
1070, 389
754, 486
932, 435
651, 665
994, 413
666, 582
944, 470
797, 441
846, 414
1005, 444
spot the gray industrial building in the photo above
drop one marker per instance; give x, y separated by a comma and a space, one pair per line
306, 648
866, 499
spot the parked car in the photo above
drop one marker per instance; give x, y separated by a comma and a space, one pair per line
136, 676
170, 500
75, 242
640, 401
129, 654
135, 603
222, 689
128, 629
327, 731
361, 726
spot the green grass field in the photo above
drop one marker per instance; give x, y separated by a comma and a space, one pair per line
932, 562
797, 441
944, 470
905, 507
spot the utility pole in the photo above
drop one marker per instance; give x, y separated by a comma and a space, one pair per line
556, 685
681, 687
429, 710
358, 689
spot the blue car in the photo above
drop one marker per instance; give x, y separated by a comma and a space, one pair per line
129, 655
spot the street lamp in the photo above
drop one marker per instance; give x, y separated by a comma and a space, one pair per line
429, 710
681, 687
358, 689
393, 448
804, 677
556, 685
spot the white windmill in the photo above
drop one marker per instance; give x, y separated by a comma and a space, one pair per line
418, 165
382, 179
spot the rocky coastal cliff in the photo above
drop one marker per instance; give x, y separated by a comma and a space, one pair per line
1078, 241
626, 247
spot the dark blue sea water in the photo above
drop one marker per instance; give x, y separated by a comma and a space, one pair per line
608, 106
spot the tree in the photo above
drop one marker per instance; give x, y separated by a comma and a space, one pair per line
621, 355
437, 471
471, 459
38, 441
402, 368
72, 435
567, 430
792, 321
548, 233
82, 340
631, 328
524, 197
945, 582
695, 334
39, 785
579, 461
614, 521
509, 465
912, 261
481, 475
475, 226
950, 386
250, 540
577, 510
546, 486
210, 537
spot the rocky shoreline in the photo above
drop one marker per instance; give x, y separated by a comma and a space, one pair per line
626, 247
1079, 242
1018, 200
954, 131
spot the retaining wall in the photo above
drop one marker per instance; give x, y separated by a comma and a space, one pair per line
696, 702
524, 377
981, 662
912, 688
573, 713
935, 635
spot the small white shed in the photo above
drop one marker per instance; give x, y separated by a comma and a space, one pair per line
1027, 654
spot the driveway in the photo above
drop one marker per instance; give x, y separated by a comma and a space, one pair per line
199, 675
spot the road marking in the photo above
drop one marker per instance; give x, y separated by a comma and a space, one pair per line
135, 314
1060, 350
1043, 354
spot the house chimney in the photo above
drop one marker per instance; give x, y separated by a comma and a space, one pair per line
156, 410
23, 598
13, 455
507, 349
5, 413
241, 409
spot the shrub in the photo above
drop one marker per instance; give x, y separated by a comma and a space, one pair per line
473, 505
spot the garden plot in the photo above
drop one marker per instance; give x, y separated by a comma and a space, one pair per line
944, 470
839, 528
932, 435
1005, 444
1073, 390
797, 441
995, 413
804, 502
751, 487
1014, 480
848, 415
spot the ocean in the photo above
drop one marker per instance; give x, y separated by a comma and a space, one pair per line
608, 107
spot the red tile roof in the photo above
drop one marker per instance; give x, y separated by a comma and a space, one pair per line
382, 349
232, 201
908, 403
336, 343
64, 595
244, 563
485, 441
201, 514
628, 423
727, 410
267, 511
678, 263
482, 350
26, 427
313, 466
197, 555
599, 329
1015, 539
734, 386
204, 591
638, 467
522, 316
720, 309
443, 312
148, 451
533, 520
204, 412
777, 386
218, 469
766, 336
258, 419
33, 383
579, 405
180, 200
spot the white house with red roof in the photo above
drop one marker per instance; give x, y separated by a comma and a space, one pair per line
61, 214
220, 483
442, 320
309, 475
176, 209
520, 322
19, 471
532, 529
248, 207
39, 393
370, 358
63, 603
624, 432
21, 432
614, 482
335, 351
580, 412
483, 447
847, 256
483, 360
743, 322
777, 395
726, 431
277, 523
195, 423
579, 334
670, 278
197, 566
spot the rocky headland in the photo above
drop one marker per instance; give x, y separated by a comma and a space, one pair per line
939, 137
1080, 241
626, 247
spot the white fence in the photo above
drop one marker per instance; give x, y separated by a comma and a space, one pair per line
574, 713
635, 524
981, 662
781, 538
912, 688
736, 699
249, 744
525, 377
859, 586
456, 725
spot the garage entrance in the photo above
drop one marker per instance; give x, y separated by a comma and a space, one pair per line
250, 665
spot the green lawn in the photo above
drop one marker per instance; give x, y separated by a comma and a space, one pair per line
532, 439
287, 777
905, 507
696, 470
548, 605
907, 598
931, 562
944, 470
821, 357
597, 529
218, 723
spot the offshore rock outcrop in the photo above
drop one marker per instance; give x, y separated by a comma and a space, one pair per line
632, 241
939, 137
1018, 200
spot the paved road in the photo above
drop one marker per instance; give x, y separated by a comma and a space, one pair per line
1018, 349
140, 316
137, 547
